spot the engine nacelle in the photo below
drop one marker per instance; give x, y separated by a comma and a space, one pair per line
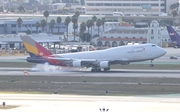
174, 43
104, 64
77, 63
36, 60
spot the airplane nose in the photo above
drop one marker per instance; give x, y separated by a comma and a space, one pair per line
163, 51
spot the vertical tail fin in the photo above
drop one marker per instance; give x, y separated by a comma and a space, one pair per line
173, 34
34, 48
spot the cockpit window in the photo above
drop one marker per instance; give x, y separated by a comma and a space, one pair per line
153, 45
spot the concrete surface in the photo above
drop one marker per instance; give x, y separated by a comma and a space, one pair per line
74, 103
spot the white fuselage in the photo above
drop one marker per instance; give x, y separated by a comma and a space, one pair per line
130, 53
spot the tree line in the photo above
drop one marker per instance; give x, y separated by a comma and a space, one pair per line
85, 36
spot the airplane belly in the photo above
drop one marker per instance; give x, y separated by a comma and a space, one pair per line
137, 56
129, 55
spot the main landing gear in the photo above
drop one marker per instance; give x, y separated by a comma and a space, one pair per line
95, 70
99, 70
151, 65
106, 69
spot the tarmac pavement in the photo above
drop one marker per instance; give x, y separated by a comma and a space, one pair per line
75, 103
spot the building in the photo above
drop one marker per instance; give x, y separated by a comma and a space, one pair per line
154, 33
67, 8
10, 26
146, 7
118, 34
81, 18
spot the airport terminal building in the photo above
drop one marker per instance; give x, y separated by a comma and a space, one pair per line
10, 26
146, 7
123, 34
113, 34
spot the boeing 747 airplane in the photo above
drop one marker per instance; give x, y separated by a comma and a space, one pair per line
175, 38
97, 60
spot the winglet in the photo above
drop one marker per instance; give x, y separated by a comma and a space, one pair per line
34, 47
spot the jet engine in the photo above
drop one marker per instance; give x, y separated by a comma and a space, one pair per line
104, 64
77, 63
174, 43
36, 60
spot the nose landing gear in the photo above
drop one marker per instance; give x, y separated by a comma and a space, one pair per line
151, 65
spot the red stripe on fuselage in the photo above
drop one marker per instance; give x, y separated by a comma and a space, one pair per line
54, 62
45, 54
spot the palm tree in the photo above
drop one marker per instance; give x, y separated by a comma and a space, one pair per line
82, 29
94, 18
174, 6
21, 9
174, 14
177, 5
43, 24
67, 21
103, 22
46, 14
88, 24
75, 25
37, 26
77, 14
91, 24
58, 20
98, 24
28, 32
51, 25
75, 21
19, 22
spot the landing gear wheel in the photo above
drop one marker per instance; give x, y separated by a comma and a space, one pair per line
98, 70
106, 69
92, 70
95, 70
151, 65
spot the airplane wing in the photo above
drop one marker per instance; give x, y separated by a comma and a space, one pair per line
70, 59
87, 62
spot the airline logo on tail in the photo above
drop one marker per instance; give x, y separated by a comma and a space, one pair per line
34, 47
172, 34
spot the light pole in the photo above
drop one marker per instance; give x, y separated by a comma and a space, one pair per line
103, 109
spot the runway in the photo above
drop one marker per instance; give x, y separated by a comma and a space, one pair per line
87, 72
117, 81
81, 103
75, 103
